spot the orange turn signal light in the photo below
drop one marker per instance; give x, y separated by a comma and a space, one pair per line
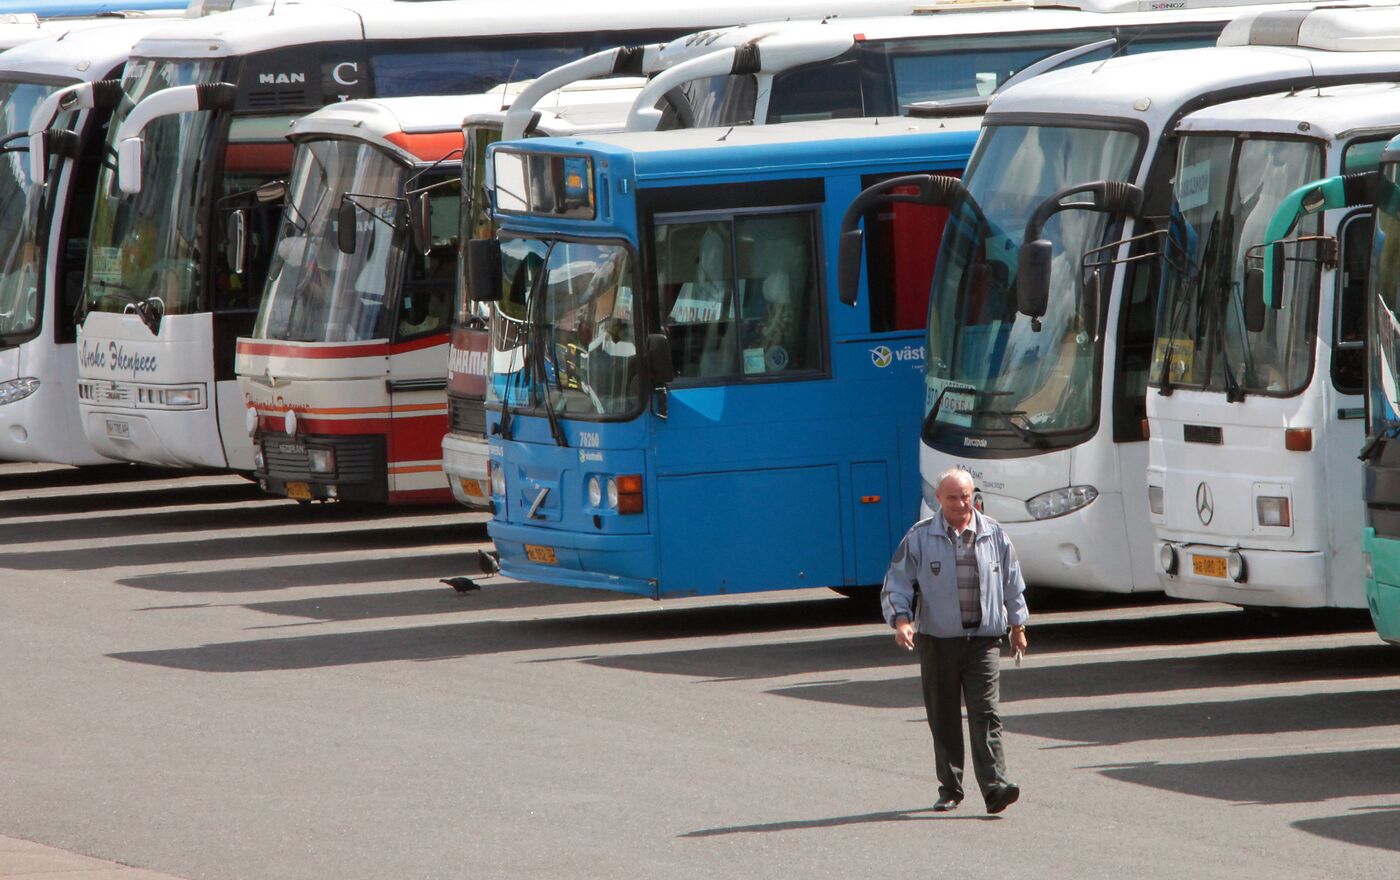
629, 484
1146, 430
1298, 439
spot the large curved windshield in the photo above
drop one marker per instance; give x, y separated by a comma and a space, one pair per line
566, 323
1383, 404
146, 246
1227, 189
20, 249
991, 368
317, 291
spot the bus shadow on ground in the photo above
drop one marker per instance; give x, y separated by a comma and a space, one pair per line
1313, 777
418, 567
93, 475
770, 661
1112, 677
457, 640
290, 543
441, 599
278, 512
133, 499
1377, 827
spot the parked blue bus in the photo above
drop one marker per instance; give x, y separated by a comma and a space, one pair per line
678, 404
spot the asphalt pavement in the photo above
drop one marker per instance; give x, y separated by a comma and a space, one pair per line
200, 681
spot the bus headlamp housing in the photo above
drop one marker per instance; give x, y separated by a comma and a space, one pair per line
595, 492
1155, 500
1058, 502
498, 479
17, 389
1272, 510
320, 461
1167, 557
1235, 567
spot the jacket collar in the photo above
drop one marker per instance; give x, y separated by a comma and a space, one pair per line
979, 524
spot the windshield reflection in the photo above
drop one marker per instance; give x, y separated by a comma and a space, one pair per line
989, 368
1383, 405
316, 292
1227, 189
20, 250
145, 246
565, 322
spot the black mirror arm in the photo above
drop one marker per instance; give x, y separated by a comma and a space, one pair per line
1110, 197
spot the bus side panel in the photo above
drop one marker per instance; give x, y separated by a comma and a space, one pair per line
783, 524
871, 519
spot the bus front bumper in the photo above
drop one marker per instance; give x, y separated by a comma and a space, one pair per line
464, 460
1383, 590
1271, 578
358, 471
620, 563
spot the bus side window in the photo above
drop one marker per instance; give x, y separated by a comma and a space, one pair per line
817, 91
251, 159
762, 319
1349, 321
1135, 340
902, 247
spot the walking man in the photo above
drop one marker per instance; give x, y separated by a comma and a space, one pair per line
953, 589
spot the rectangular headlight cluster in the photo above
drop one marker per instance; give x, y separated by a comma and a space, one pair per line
1272, 511
169, 397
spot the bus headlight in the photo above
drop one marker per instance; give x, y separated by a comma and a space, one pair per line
1154, 500
595, 492
612, 492
1167, 556
498, 479
17, 389
250, 420
259, 462
1272, 510
320, 461
1058, 502
1234, 566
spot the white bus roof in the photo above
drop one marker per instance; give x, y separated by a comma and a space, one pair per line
575, 109
246, 30
1331, 114
1151, 87
81, 54
805, 132
839, 34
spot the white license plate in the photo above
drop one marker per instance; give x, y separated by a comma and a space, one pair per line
118, 429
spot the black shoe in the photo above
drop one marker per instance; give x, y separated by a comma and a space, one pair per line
1002, 796
945, 805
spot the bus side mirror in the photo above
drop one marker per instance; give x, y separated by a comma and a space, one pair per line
129, 165
659, 364
345, 226
851, 249
272, 191
1254, 299
1093, 305
420, 221
236, 244
1033, 280
483, 270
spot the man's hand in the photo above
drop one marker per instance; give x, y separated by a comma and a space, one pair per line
904, 634
1018, 641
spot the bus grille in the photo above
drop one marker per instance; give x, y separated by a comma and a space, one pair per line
357, 459
467, 415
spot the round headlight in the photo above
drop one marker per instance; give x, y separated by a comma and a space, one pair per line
612, 493
595, 492
1234, 566
250, 420
289, 421
1167, 556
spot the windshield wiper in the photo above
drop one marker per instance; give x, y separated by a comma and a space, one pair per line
542, 362
1016, 420
1195, 276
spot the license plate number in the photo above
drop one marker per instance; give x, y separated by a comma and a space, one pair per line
1210, 566
536, 553
299, 491
119, 429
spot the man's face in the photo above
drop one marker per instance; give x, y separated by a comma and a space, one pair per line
955, 497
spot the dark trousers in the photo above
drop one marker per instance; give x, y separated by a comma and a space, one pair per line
954, 670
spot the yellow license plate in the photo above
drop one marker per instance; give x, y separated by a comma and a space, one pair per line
471, 488
299, 491
536, 553
1210, 566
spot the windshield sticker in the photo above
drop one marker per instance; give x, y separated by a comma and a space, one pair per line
107, 265
955, 407
1193, 186
695, 311
753, 360
1183, 356
777, 358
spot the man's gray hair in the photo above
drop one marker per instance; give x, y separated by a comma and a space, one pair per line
958, 472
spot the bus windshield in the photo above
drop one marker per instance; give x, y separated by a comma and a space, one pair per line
1383, 406
566, 323
316, 292
1227, 189
990, 368
146, 246
20, 252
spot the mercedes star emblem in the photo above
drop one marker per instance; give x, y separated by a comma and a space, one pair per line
1205, 503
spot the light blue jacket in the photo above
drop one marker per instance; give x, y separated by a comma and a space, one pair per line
926, 558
